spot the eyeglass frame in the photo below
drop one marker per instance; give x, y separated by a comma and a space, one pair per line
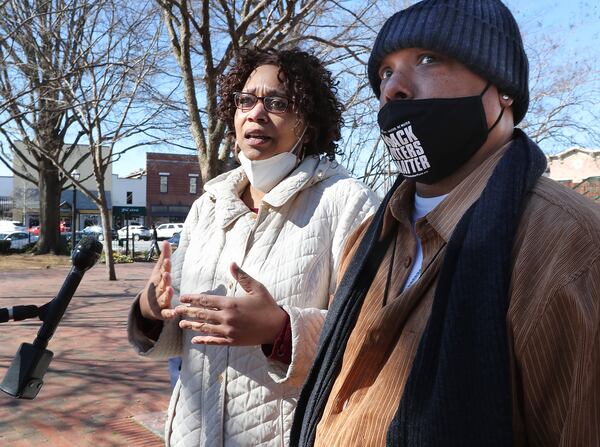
261, 98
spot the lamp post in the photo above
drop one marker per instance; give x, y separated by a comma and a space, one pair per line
75, 175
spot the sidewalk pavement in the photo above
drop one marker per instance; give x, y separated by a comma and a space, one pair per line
97, 391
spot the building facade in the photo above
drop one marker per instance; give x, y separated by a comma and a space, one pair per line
173, 183
579, 169
6, 197
26, 194
129, 199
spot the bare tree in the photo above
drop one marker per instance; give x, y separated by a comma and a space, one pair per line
113, 102
38, 50
84, 71
564, 96
206, 35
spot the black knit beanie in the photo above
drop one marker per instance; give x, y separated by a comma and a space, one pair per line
481, 34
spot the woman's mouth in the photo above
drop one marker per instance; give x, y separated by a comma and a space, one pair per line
256, 139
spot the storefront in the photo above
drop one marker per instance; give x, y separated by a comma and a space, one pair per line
123, 215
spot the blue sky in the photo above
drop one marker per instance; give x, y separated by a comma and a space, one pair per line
574, 24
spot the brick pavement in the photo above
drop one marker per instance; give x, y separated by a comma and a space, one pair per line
97, 391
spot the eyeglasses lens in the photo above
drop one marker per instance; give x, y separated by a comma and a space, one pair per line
247, 101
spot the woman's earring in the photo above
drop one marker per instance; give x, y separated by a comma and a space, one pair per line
505, 97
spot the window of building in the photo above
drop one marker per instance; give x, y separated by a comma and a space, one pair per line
129, 197
193, 184
164, 182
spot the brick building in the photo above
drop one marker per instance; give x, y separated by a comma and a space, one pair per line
589, 187
173, 183
578, 169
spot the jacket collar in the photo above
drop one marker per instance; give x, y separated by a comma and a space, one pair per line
226, 189
448, 213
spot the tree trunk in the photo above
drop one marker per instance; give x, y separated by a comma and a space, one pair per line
106, 226
108, 251
49, 186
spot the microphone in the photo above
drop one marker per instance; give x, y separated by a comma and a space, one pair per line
18, 313
24, 376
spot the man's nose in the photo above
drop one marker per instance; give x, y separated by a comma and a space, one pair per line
397, 86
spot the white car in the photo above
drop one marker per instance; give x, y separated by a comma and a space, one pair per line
136, 232
18, 239
167, 230
10, 226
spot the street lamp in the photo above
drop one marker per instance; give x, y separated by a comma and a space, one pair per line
75, 176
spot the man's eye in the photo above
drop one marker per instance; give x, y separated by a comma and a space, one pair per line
427, 59
386, 73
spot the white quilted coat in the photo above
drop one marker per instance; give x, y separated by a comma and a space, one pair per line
235, 396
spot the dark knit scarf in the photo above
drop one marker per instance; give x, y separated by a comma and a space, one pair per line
458, 392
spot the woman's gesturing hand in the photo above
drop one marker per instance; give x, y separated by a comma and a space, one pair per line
155, 301
252, 319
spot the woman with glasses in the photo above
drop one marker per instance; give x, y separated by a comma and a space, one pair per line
244, 296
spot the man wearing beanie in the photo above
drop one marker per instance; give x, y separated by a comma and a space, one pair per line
468, 313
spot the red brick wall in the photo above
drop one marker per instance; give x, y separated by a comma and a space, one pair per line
589, 187
178, 193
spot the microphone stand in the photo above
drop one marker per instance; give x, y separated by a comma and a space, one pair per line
24, 377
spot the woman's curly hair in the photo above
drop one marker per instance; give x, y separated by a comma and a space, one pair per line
309, 85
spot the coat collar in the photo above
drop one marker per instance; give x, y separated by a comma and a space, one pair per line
226, 189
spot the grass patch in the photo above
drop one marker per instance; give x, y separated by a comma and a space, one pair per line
29, 261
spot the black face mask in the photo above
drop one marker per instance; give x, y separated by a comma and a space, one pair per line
429, 139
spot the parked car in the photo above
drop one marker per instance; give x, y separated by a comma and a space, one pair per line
167, 230
18, 239
61, 226
9, 226
136, 232
174, 241
97, 232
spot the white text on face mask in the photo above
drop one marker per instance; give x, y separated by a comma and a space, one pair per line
406, 150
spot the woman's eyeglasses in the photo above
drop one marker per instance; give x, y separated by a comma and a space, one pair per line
247, 101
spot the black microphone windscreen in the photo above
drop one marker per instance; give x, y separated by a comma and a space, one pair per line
86, 253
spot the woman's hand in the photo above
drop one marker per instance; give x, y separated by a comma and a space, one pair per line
155, 301
249, 320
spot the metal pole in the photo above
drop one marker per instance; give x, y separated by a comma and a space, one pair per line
73, 218
127, 233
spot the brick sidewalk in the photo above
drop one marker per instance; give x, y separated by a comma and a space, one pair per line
97, 391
